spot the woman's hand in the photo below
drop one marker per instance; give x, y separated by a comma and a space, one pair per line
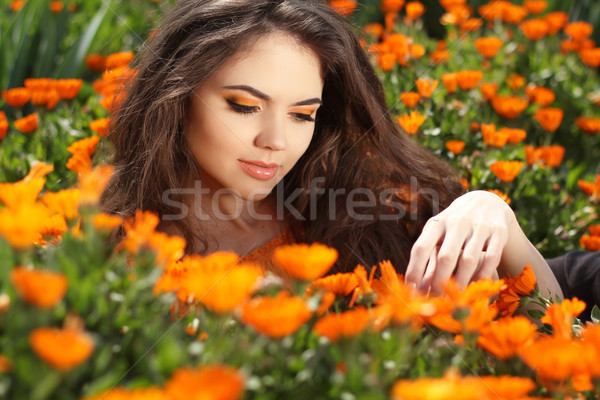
467, 238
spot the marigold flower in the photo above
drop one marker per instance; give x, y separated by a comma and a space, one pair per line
100, 126
3, 128
509, 107
594, 230
53, 226
22, 193
364, 286
386, 61
488, 47
391, 5
120, 59
590, 243
516, 81
411, 123
211, 382
556, 21
541, 95
343, 7
343, 325
591, 189
95, 62
513, 14
579, 31
92, 183
64, 202
340, 283
470, 25
414, 10
493, 10
493, 137
16, 5
390, 20
524, 283
488, 90
106, 222
549, 118
515, 135
277, 316
590, 57
552, 155
426, 86
450, 82
6, 364
48, 98
21, 226
439, 56
82, 151
535, 6
507, 336
410, 99
138, 230
375, 29
119, 393
500, 194
68, 88
27, 124
469, 79
455, 146
558, 364
168, 248
305, 262
506, 171
416, 51
326, 303
44, 289
63, 349
16, 97
535, 29
560, 316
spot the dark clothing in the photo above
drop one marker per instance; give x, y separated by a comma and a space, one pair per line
578, 273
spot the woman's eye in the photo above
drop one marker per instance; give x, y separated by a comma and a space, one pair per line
240, 109
300, 117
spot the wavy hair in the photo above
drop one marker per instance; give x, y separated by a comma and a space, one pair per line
355, 143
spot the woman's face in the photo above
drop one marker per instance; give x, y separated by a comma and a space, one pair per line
253, 119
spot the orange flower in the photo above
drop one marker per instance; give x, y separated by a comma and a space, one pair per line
560, 316
468, 80
506, 337
167, 248
375, 29
44, 289
205, 382
594, 230
119, 393
22, 226
417, 51
450, 386
3, 128
56, 6
277, 316
488, 47
426, 86
439, 56
120, 59
450, 82
410, 99
515, 135
567, 46
414, 10
39, 84
16, 97
493, 137
326, 302
100, 126
556, 21
27, 124
535, 6
516, 81
500, 194
344, 325
53, 226
470, 25
455, 146
386, 61
68, 88
64, 202
106, 222
513, 14
579, 31
343, 7
95, 62
6, 364
92, 183
549, 118
591, 189
590, 243
390, 20
508, 302
524, 283
219, 283
411, 123
541, 95
63, 349
21, 194
552, 155
340, 283
16, 5
492, 11
506, 171
82, 151
364, 287
305, 262
590, 57
391, 5
509, 106
535, 29
560, 363
489, 90
138, 230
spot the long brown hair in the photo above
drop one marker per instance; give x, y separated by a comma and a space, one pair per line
355, 143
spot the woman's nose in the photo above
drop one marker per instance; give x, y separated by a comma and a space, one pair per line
272, 134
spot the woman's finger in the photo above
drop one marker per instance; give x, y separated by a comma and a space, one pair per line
448, 255
492, 255
470, 257
429, 271
432, 233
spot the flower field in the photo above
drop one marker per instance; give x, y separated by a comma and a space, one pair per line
509, 97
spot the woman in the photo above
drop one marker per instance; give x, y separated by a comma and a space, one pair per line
251, 118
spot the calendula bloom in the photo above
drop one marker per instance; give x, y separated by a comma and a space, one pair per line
556, 21
43, 289
168, 248
506, 337
535, 6
120, 59
549, 118
27, 124
513, 14
515, 135
106, 222
411, 123
509, 107
449, 81
410, 99
55, 226
6, 364
390, 20
56, 6
326, 302
560, 316
470, 25
493, 137
119, 393
68, 88
82, 151
391, 5
506, 171
100, 126
590, 57
305, 262
500, 194
414, 10
488, 90
455, 146
588, 124
209, 382
594, 230
516, 81
557, 365
343, 7
579, 31
64, 202
138, 230
439, 56
567, 46
535, 29
92, 182
3, 128
343, 325
374, 29
16, 5
277, 316
21, 194
21, 226
508, 302
39, 84
16, 97
364, 286
340, 283
541, 95
524, 283
468, 80
417, 51
552, 155
63, 349
95, 62
590, 243
493, 10
386, 61
426, 86
488, 47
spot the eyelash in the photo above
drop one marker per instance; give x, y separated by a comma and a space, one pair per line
246, 110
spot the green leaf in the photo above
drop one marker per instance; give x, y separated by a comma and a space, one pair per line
537, 314
596, 314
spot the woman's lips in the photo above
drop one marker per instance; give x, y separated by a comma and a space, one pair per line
258, 169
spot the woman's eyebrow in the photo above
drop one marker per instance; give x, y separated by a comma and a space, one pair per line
261, 95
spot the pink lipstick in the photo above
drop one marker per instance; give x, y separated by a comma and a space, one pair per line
258, 169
